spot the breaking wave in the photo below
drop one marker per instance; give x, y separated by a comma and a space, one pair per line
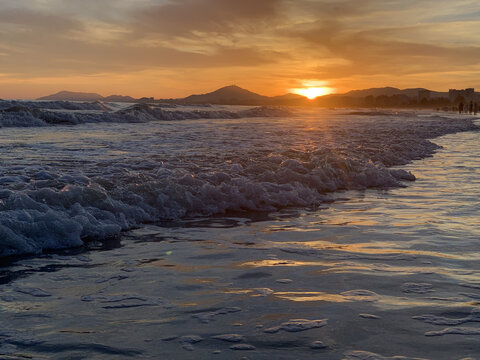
48, 113
245, 166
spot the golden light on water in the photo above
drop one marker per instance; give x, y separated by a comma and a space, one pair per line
313, 92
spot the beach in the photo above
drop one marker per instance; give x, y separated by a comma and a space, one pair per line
325, 234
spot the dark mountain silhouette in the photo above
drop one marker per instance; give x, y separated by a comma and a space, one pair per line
390, 91
228, 95
73, 96
81, 96
235, 95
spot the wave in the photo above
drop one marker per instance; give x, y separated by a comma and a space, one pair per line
15, 105
27, 114
50, 208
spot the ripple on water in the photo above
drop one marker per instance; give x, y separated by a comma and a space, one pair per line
317, 345
454, 331
242, 347
365, 355
440, 320
369, 316
121, 301
209, 316
35, 292
361, 295
417, 288
296, 325
187, 341
230, 337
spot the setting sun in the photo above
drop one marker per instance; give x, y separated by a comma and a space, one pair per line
313, 92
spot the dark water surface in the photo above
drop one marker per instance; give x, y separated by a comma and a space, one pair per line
390, 272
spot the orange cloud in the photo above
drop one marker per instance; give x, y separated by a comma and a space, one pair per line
172, 48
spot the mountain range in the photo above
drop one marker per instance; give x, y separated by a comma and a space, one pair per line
391, 91
235, 95
81, 96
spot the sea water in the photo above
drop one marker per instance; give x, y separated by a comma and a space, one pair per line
286, 237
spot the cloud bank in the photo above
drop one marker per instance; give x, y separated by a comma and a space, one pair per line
169, 48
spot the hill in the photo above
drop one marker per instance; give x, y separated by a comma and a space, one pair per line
390, 91
235, 95
81, 96
228, 95
72, 96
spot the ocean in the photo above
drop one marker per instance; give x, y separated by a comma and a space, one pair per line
230, 232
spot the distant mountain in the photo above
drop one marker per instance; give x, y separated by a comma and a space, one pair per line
81, 96
390, 91
73, 96
235, 95
228, 95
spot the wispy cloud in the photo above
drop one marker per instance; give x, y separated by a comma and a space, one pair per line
272, 45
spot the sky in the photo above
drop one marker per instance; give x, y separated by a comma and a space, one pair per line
173, 48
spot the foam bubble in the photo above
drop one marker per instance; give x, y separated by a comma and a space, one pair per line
230, 337
296, 325
62, 204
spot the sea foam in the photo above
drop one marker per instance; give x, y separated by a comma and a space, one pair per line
198, 169
30, 113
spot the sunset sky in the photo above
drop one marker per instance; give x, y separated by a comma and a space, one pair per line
172, 48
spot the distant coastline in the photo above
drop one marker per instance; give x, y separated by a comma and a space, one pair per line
386, 97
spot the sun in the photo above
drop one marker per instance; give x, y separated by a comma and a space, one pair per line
313, 92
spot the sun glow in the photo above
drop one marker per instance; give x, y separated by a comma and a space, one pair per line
313, 92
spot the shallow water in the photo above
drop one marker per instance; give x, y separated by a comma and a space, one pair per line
391, 272
62, 184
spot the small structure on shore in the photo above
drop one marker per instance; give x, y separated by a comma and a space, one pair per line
467, 100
